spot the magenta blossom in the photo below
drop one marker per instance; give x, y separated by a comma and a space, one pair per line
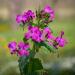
26, 17
19, 18
36, 37
47, 31
21, 50
23, 53
34, 33
13, 47
30, 13
58, 41
61, 41
22, 45
50, 11
34, 29
28, 35
29, 27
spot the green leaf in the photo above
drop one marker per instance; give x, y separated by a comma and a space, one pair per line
33, 65
29, 67
36, 64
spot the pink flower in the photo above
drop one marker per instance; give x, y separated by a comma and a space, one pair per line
47, 33
13, 47
24, 18
58, 41
29, 27
30, 13
28, 35
36, 34
47, 30
22, 45
23, 49
23, 53
36, 37
50, 11
61, 41
33, 32
18, 18
51, 37
34, 29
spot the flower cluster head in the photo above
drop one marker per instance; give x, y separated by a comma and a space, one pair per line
48, 13
37, 34
25, 17
59, 41
21, 48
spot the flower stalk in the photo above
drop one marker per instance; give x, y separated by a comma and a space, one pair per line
40, 34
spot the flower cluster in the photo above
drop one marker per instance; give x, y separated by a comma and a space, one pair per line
48, 12
59, 41
21, 48
38, 31
37, 34
46, 15
25, 17
41, 35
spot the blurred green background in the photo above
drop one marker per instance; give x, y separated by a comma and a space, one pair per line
60, 63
